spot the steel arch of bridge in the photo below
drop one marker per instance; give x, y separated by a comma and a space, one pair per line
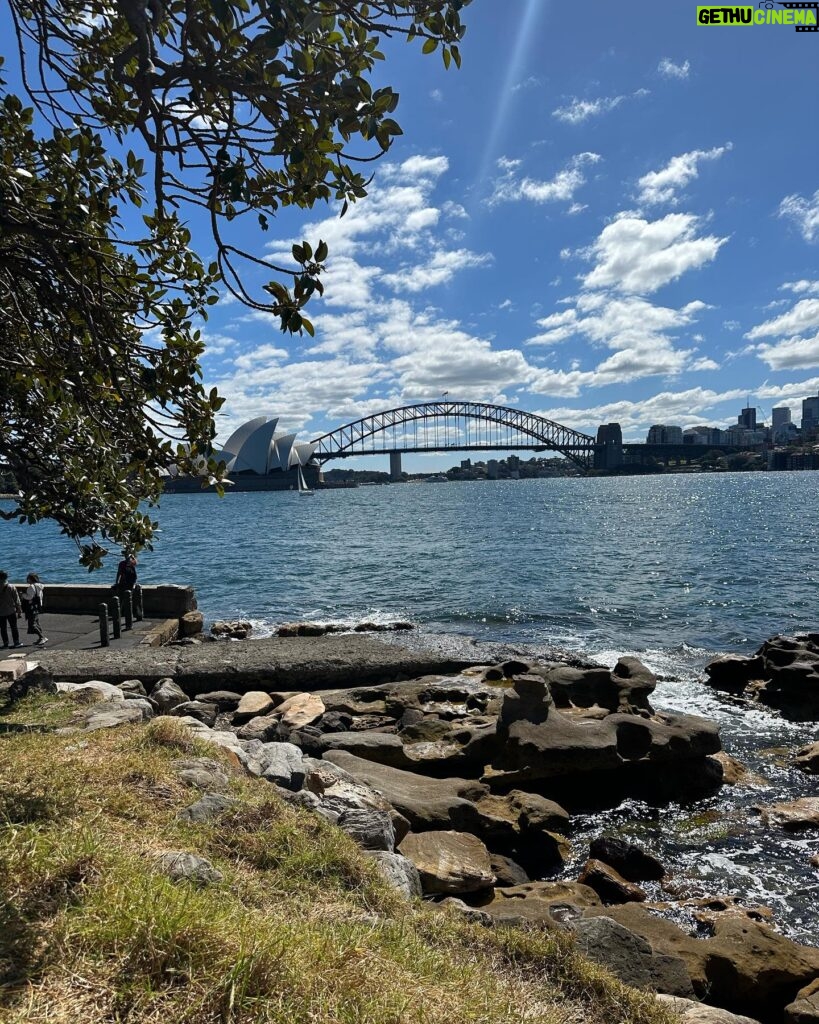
498, 428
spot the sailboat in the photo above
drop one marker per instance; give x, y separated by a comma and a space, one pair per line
303, 488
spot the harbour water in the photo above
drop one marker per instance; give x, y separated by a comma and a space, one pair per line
674, 569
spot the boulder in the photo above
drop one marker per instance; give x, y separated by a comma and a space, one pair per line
609, 885
793, 815
634, 682
471, 914
546, 904
370, 827
631, 861
301, 629
191, 624
168, 695
805, 1008
211, 805
253, 704
182, 866
507, 872
110, 715
733, 672
284, 765
629, 957
202, 711
807, 759
339, 793
449, 862
237, 630
92, 692
133, 688
303, 709
428, 804
201, 773
692, 1012
262, 727
380, 747
399, 873
225, 700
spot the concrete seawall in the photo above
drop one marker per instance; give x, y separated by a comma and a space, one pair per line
160, 601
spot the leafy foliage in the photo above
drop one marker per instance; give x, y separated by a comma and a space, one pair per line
238, 107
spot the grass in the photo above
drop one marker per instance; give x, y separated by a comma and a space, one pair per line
301, 930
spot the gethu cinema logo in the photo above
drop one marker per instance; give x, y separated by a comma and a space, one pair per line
804, 17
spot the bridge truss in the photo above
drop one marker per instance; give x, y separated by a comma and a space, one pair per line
453, 426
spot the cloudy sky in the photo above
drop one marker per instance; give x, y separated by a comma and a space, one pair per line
609, 213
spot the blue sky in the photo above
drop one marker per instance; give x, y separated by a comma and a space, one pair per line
609, 213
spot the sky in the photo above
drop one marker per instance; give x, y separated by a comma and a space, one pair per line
608, 213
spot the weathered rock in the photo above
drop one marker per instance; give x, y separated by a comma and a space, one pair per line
734, 773
807, 759
692, 1012
340, 792
471, 914
92, 692
428, 804
609, 885
335, 721
262, 727
303, 709
284, 765
253, 704
542, 903
301, 629
380, 747
201, 773
225, 700
507, 872
211, 805
110, 715
805, 1008
399, 872
733, 672
200, 710
181, 866
168, 695
238, 630
191, 624
793, 815
629, 957
633, 862
134, 688
449, 862
369, 827
32, 675
634, 682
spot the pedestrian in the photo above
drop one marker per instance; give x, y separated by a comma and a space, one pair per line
126, 573
32, 606
10, 611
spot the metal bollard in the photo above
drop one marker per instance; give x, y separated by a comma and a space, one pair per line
115, 619
103, 614
138, 603
127, 608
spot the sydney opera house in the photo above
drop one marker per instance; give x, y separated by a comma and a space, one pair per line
259, 458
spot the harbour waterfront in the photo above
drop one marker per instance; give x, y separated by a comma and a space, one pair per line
674, 569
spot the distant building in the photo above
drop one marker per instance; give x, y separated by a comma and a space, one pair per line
780, 423
492, 469
747, 418
466, 463
810, 414
609, 433
660, 433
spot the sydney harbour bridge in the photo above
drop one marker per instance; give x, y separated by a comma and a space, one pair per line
476, 426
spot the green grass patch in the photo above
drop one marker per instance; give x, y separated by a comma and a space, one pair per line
302, 929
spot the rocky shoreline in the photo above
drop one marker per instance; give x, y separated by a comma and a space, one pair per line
462, 780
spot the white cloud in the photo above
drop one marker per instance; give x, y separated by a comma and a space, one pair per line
437, 95
662, 186
795, 353
805, 212
528, 83
802, 287
581, 110
731, 325
668, 69
792, 350
803, 316
438, 270
561, 188
635, 255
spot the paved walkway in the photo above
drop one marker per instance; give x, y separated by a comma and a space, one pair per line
70, 632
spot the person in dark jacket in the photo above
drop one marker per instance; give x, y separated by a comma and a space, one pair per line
126, 573
10, 611
32, 606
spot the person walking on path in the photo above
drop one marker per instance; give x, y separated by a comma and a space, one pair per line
32, 606
126, 573
10, 611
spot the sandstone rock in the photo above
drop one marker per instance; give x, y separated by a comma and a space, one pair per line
805, 1008
262, 727
303, 709
339, 793
609, 885
225, 700
168, 695
200, 710
133, 687
473, 915
507, 872
633, 862
793, 815
428, 804
238, 630
92, 692
692, 1012
629, 957
449, 862
301, 629
371, 828
634, 682
380, 747
399, 872
253, 704
733, 672
181, 866
191, 624
211, 805
541, 903
110, 715
31, 674
807, 759
284, 765
734, 773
